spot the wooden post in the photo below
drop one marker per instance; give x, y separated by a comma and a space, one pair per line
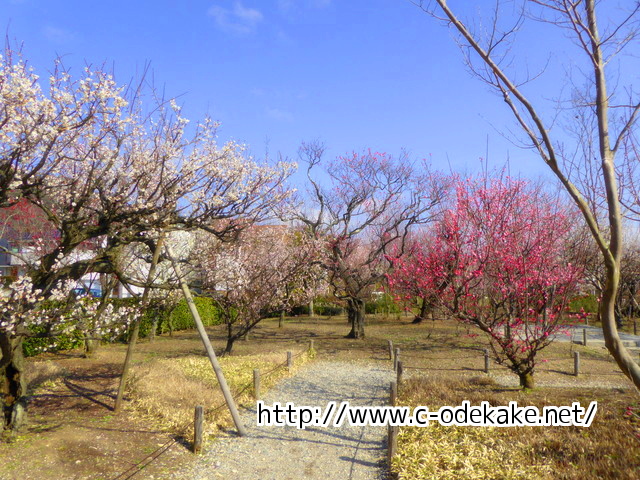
584, 337
390, 344
399, 372
256, 383
635, 327
486, 360
393, 394
311, 347
198, 417
392, 441
133, 338
289, 360
396, 358
576, 363
228, 397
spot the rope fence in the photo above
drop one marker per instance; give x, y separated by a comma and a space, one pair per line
395, 354
161, 450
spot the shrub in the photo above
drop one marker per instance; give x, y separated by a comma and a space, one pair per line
35, 345
180, 317
38, 342
587, 302
177, 319
326, 308
382, 304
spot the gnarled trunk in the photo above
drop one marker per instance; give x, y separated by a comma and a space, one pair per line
12, 386
356, 313
526, 379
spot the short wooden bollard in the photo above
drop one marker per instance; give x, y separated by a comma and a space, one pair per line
390, 343
311, 347
396, 359
393, 393
198, 417
584, 337
576, 363
392, 441
399, 372
486, 360
289, 360
256, 383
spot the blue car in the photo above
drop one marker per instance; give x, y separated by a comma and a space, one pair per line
82, 291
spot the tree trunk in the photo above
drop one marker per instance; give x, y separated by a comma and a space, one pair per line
12, 385
356, 313
526, 380
90, 346
91, 338
154, 327
311, 311
281, 321
424, 309
229, 347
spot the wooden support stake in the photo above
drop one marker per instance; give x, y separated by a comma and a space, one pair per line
396, 359
584, 337
390, 344
256, 383
399, 372
289, 360
311, 347
393, 394
198, 418
392, 441
576, 363
228, 397
486, 360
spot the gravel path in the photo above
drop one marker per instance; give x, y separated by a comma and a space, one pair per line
283, 453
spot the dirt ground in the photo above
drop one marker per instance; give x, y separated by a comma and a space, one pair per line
73, 433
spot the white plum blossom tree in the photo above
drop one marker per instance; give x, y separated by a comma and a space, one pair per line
104, 169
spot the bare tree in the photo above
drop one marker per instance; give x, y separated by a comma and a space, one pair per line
372, 203
602, 121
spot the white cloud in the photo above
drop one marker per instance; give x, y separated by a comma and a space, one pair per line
288, 5
58, 35
280, 115
238, 19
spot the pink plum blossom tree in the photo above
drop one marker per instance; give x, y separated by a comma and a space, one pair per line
504, 265
268, 268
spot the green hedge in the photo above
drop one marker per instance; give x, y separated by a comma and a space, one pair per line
177, 319
587, 302
36, 345
382, 304
180, 317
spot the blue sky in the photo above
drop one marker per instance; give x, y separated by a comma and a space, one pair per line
355, 74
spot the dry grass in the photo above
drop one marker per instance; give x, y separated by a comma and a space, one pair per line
165, 391
43, 374
606, 450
